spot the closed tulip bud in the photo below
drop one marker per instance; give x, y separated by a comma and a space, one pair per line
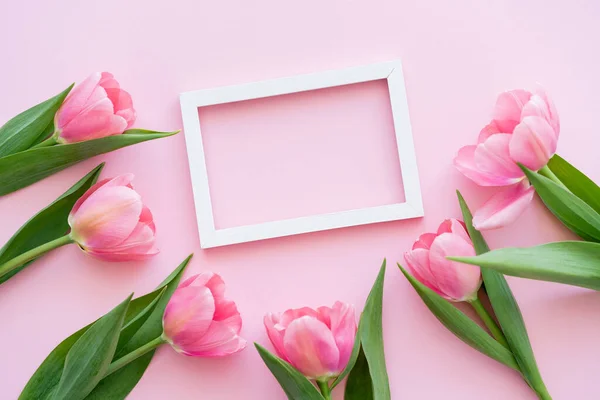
111, 223
95, 108
427, 262
318, 343
200, 321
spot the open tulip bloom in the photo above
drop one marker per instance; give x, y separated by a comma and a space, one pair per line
109, 222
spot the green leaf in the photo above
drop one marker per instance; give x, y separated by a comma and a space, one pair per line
506, 309
43, 382
356, 350
573, 263
360, 385
25, 130
371, 340
117, 385
88, 359
294, 384
576, 181
462, 326
573, 212
22, 169
47, 225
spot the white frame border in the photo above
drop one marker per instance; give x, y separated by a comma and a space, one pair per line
191, 101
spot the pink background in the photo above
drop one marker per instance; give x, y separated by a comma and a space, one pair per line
457, 56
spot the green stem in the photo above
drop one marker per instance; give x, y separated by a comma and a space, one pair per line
325, 390
134, 355
33, 253
547, 172
489, 322
51, 141
542, 392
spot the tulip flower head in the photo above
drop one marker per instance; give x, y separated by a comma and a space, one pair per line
524, 129
95, 108
427, 262
318, 343
199, 321
111, 223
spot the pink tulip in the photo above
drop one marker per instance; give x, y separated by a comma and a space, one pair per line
200, 321
95, 108
427, 262
524, 129
318, 343
111, 223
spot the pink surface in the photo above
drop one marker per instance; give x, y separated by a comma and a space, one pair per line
457, 57
301, 154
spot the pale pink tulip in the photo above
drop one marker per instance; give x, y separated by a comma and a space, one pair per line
200, 321
318, 343
524, 129
95, 108
427, 262
111, 223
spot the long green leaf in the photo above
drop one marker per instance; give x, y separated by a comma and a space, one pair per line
576, 181
117, 385
22, 169
49, 224
506, 309
371, 340
24, 130
46, 377
294, 384
88, 360
360, 385
573, 212
462, 326
573, 263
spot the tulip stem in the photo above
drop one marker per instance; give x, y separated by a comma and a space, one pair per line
489, 322
21, 259
51, 141
134, 355
547, 172
325, 390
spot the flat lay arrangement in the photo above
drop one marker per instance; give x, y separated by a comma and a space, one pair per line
296, 237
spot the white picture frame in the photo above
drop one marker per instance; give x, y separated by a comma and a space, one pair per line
412, 207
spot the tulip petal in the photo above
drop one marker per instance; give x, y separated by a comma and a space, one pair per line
533, 143
77, 100
417, 261
107, 217
343, 326
133, 254
465, 163
219, 340
290, 315
504, 207
311, 348
92, 124
225, 310
275, 331
540, 105
108, 81
188, 315
123, 105
509, 105
424, 241
83, 198
492, 158
490, 129
324, 315
452, 225
457, 281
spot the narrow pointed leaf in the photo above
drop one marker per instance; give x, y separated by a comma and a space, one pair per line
506, 309
27, 128
88, 360
360, 385
47, 225
117, 385
573, 263
22, 169
371, 340
462, 326
43, 382
576, 181
573, 212
294, 384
